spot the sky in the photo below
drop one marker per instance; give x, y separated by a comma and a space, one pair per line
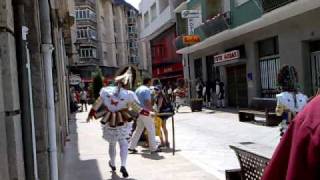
135, 3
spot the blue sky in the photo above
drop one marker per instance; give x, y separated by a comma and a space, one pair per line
135, 3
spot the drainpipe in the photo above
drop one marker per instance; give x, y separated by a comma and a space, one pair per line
46, 50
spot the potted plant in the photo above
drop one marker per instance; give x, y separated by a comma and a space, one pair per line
196, 104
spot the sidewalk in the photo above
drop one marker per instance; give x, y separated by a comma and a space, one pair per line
86, 159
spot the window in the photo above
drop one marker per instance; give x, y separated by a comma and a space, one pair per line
269, 63
146, 19
86, 32
132, 29
163, 4
153, 11
85, 14
88, 52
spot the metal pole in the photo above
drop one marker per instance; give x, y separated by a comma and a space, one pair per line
173, 137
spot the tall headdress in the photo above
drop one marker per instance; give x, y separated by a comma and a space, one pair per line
128, 75
288, 78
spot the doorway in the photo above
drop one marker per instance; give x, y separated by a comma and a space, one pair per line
237, 86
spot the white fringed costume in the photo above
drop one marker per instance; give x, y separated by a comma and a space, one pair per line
113, 105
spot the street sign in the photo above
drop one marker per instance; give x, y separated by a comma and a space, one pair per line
187, 14
191, 39
228, 56
74, 80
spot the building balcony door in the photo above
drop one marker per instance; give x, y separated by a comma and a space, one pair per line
315, 71
237, 88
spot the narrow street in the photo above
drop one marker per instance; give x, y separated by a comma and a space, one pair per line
86, 158
202, 144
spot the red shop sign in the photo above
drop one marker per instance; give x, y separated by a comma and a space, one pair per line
227, 56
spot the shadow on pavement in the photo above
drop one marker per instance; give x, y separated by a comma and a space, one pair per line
115, 176
74, 167
154, 156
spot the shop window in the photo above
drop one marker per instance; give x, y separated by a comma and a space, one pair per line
269, 64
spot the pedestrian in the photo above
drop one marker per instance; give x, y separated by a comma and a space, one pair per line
204, 94
83, 99
220, 93
116, 101
163, 105
180, 95
297, 155
290, 101
199, 86
144, 121
169, 92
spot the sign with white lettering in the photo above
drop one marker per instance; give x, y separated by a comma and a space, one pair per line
187, 14
227, 56
74, 80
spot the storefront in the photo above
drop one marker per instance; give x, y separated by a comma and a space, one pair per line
249, 63
233, 66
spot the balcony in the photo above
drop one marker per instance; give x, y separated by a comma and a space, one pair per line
213, 26
269, 5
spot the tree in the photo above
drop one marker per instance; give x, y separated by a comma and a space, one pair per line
97, 84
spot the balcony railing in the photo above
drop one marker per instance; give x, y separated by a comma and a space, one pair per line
269, 5
213, 26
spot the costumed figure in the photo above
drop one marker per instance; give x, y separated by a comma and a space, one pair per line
289, 101
113, 105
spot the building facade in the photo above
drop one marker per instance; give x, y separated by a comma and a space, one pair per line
106, 37
246, 50
157, 40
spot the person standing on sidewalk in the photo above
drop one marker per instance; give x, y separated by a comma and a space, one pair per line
116, 101
144, 121
83, 99
220, 94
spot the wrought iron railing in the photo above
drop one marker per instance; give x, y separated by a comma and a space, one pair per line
269, 5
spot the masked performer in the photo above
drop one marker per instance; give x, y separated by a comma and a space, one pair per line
289, 101
116, 102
